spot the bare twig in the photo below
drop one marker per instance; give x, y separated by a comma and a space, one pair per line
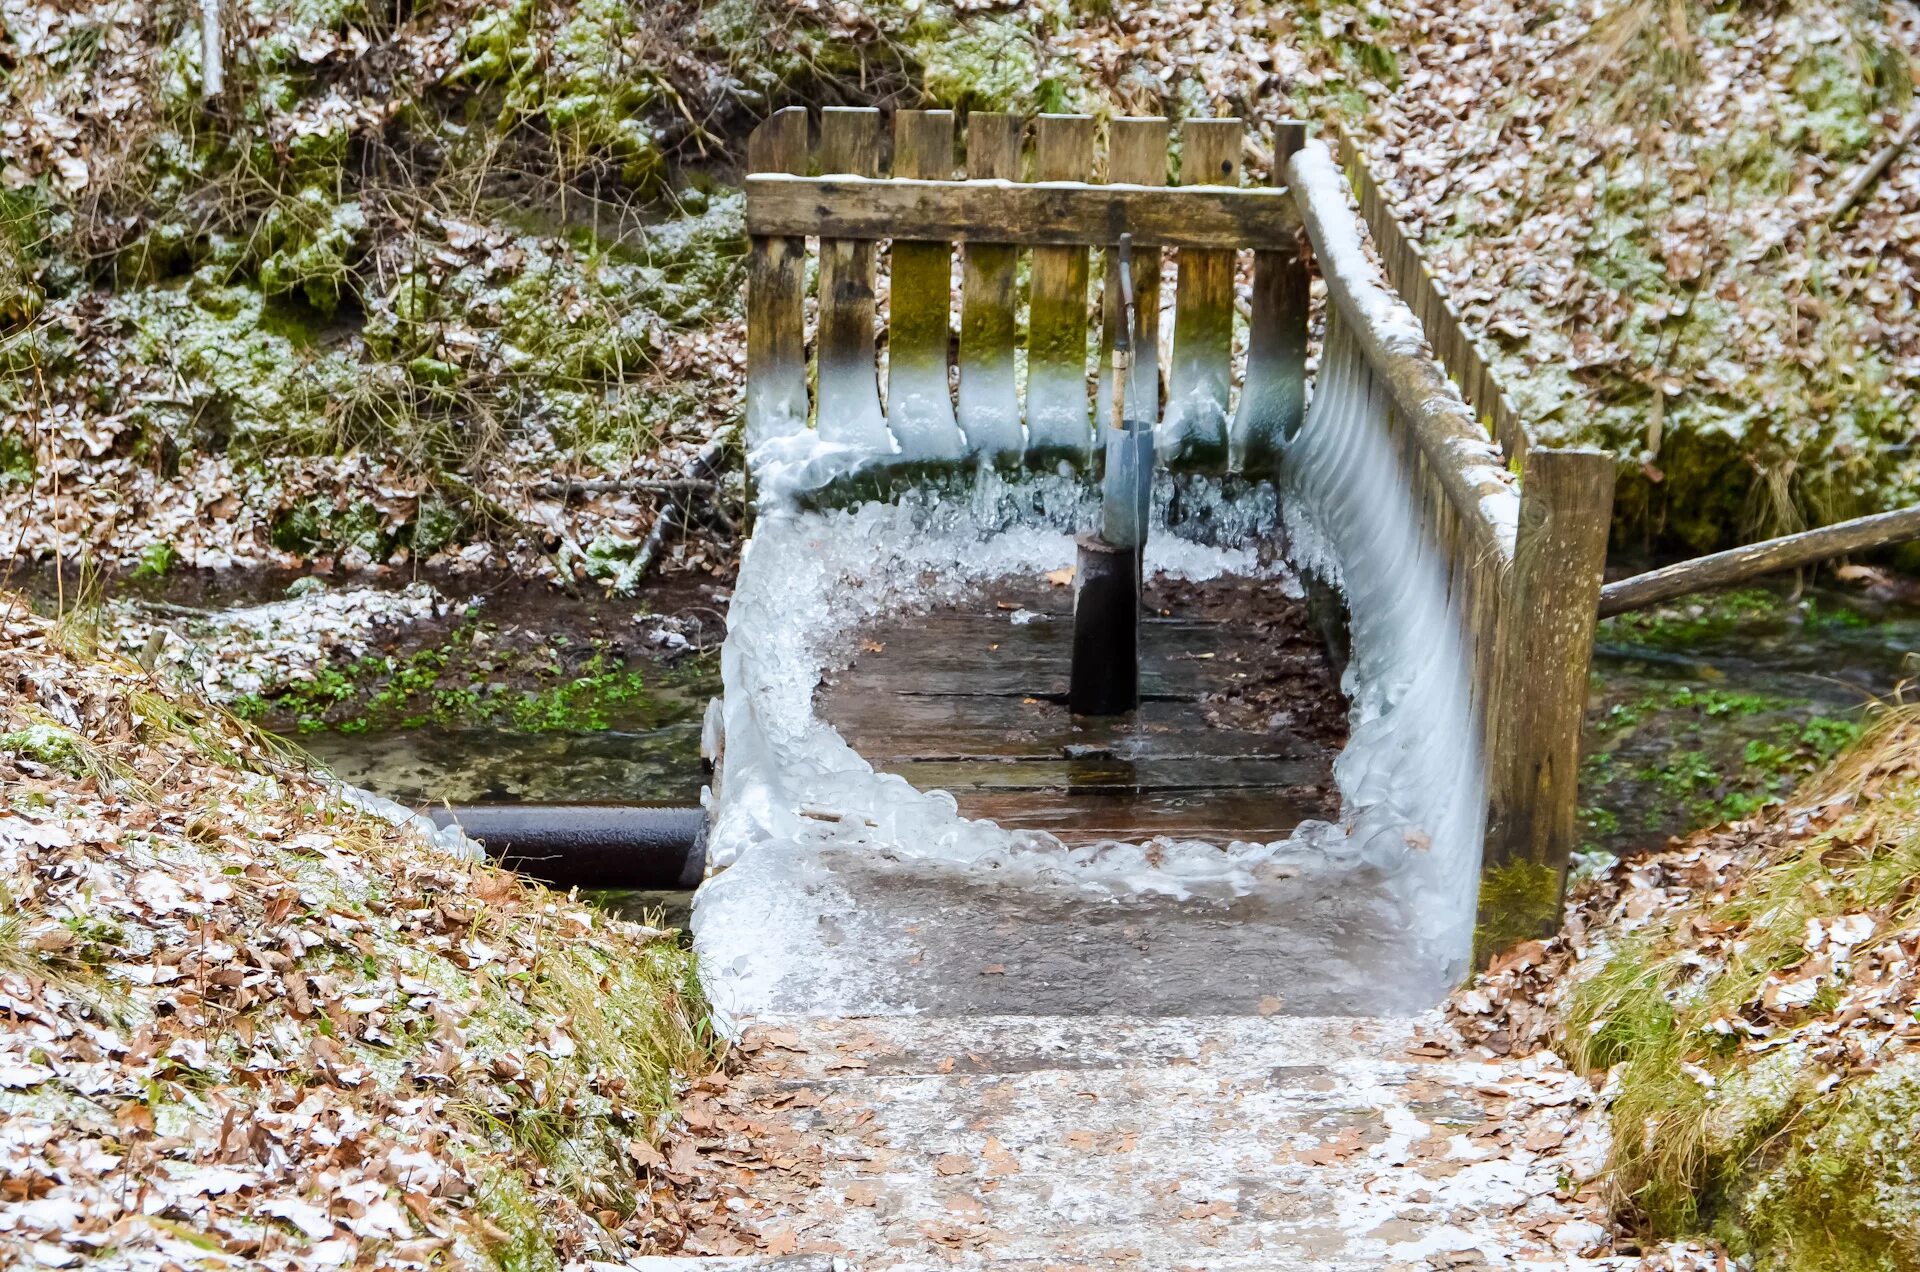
1863, 180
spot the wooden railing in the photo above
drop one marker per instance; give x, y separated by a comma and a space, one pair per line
1512, 575
1458, 349
997, 201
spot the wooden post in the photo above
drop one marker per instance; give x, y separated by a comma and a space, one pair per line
920, 308
1201, 373
989, 398
849, 407
1136, 155
1566, 506
1059, 414
776, 294
1274, 400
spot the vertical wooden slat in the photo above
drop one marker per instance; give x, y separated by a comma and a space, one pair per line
1058, 410
1274, 398
1551, 602
920, 305
989, 321
776, 294
1201, 373
1136, 155
849, 406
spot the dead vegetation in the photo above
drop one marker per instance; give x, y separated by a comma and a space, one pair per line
243, 1020
1751, 996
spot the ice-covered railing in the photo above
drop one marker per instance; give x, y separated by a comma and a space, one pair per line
815, 409
1458, 349
1471, 600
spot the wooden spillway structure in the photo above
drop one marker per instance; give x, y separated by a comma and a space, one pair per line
996, 358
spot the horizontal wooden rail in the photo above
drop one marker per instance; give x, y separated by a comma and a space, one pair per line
1737, 565
1459, 350
1463, 458
1028, 214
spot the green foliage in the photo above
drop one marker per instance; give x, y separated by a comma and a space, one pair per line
156, 561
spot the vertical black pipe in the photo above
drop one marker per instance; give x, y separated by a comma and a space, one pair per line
1106, 630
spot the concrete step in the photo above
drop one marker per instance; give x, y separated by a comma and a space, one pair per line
1227, 1142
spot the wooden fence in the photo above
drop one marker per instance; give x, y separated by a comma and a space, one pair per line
997, 200
1519, 571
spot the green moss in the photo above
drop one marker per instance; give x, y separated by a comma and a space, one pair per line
1845, 1195
317, 526
47, 744
1690, 622
1518, 901
308, 243
18, 463
24, 229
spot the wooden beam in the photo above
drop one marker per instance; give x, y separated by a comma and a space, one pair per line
1737, 565
1200, 372
1273, 401
776, 294
1035, 214
920, 305
1560, 552
1059, 413
989, 398
849, 378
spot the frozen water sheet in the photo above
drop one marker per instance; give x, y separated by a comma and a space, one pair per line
805, 830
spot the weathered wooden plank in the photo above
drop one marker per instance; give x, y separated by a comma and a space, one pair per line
849, 379
989, 315
1058, 410
776, 294
1554, 589
1200, 372
1136, 155
920, 305
1220, 817
1041, 213
1099, 775
1274, 399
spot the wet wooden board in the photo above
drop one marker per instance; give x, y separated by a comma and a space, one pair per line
967, 701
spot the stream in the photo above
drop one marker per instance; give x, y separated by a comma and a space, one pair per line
1700, 711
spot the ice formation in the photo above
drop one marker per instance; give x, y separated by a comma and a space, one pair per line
790, 793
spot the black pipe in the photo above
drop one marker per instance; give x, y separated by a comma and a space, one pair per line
1105, 679
589, 845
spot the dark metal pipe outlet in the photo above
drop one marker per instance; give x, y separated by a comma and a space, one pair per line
589, 845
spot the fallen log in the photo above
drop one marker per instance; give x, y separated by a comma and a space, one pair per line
1770, 556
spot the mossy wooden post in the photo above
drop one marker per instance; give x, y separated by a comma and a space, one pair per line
989, 398
1200, 375
1552, 592
920, 308
776, 294
1136, 155
849, 384
1059, 414
1274, 399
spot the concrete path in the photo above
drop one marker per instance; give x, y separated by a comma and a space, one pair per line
1103, 1142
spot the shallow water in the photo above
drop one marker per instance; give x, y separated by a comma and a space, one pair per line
1704, 709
